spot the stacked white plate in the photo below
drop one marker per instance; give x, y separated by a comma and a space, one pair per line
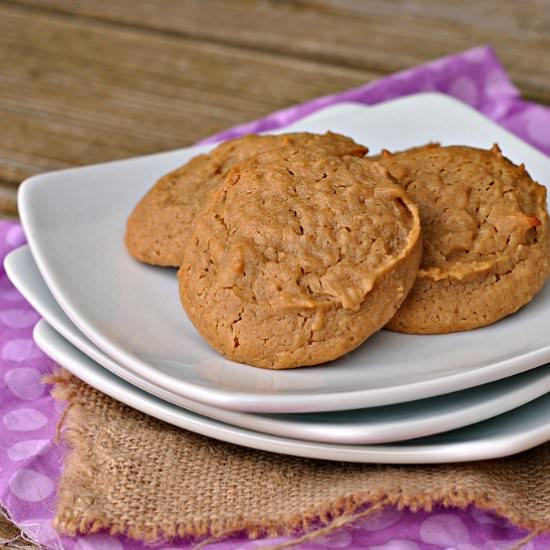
118, 324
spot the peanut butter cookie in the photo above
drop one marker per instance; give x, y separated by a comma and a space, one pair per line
486, 237
299, 257
158, 228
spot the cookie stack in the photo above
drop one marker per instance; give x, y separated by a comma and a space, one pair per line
294, 249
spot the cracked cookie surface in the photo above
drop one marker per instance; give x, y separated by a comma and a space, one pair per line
160, 224
299, 257
486, 237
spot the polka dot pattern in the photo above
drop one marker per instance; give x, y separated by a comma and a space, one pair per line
31, 486
20, 350
446, 529
98, 542
25, 383
483, 517
30, 462
496, 85
18, 318
14, 236
24, 420
464, 89
388, 517
10, 295
23, 450
537, 124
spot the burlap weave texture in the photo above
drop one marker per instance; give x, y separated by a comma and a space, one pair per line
129, 473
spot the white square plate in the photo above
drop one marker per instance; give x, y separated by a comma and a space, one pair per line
358, 426
510, 433
75, 220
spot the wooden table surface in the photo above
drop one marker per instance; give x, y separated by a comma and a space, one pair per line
83, 81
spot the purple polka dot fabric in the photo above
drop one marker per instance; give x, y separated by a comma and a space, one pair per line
30, 461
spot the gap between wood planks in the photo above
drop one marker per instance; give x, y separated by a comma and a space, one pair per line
206, 71
378, 36
73, 92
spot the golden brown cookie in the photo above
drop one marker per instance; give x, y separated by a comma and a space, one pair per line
158, 228
299, 257
486, 237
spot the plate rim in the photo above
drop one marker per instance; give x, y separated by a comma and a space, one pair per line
17, 265
268, 402
426, 453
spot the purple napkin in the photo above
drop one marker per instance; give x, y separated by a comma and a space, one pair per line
30, 462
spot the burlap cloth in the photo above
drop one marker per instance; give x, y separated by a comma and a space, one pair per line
129, 473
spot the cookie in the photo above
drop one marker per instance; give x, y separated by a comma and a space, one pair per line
299, 257
486, 237
158, 228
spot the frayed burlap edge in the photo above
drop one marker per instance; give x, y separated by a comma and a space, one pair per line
316, 521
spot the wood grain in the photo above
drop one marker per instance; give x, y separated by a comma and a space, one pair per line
9, 534
8, 201
84, 81
375, 35
74, 91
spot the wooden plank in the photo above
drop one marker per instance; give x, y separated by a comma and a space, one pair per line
8, 532
74, 91
8, 202
378, 35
